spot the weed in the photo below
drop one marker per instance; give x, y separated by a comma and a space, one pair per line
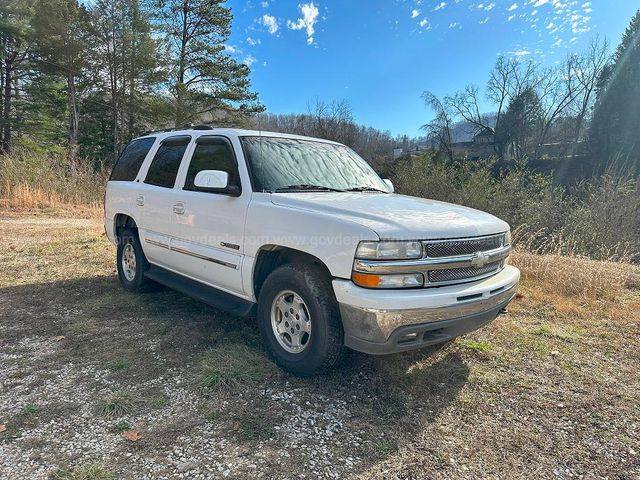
214, 415
120, 364
385, 446
120, 427
230, 365
118, 404
254, 427
476, 346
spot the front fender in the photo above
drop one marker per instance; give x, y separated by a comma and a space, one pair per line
333, 240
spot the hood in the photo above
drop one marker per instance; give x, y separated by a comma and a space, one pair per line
398, 217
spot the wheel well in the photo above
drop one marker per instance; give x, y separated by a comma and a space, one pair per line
271, 257
122, 221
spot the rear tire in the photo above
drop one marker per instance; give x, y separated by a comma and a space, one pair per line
132, 263
300, 321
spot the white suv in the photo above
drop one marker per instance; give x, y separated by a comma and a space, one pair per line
302, 233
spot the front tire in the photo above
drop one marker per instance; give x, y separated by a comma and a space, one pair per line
300, 321
132, 263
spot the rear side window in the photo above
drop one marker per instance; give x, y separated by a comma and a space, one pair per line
131, 159
212, 153
164, 166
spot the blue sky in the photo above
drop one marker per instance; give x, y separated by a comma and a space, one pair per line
380, 55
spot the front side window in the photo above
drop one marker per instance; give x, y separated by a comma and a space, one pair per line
286, 164
130, 160
212, 153
164, 166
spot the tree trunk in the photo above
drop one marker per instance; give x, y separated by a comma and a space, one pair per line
181, 88
5, 147
73, 116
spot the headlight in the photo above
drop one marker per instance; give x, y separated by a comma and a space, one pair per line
408, 280
507, 238
389, 250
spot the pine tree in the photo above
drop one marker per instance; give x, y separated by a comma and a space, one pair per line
126, 59
204, 80
615, 129
15, 41
61, 31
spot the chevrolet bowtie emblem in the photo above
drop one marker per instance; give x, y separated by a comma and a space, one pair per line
479, 259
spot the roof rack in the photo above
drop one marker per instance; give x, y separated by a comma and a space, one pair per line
186, 127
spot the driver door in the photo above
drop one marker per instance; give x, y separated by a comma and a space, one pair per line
210, 225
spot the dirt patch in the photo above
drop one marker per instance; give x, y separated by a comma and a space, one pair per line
548, 391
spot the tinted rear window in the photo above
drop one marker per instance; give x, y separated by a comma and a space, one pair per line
164, 166
131, 159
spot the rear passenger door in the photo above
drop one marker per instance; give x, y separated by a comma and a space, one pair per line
157, 199
211, 225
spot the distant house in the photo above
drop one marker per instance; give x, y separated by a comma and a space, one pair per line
484, 137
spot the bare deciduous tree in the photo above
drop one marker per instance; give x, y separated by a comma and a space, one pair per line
439, 129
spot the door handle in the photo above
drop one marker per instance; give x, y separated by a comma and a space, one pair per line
178, 208
140, 200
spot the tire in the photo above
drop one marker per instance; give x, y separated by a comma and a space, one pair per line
132, 269
321, 344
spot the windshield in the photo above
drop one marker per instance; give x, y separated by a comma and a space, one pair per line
287, 164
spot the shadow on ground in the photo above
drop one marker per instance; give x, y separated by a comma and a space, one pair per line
137, 339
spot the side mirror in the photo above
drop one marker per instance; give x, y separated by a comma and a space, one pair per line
208, 179
389, 185
215, 181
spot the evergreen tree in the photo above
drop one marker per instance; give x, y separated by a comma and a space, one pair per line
61, 28
615, 129
518, 128
15, 41
126, 64
204, 80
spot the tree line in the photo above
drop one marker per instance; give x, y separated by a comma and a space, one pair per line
589, 103
89, 78
335, 121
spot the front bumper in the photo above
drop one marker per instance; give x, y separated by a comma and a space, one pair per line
389, 321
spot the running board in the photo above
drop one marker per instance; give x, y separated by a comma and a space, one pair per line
209, 295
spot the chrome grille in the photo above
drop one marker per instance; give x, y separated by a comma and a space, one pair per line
468, 246
466, 273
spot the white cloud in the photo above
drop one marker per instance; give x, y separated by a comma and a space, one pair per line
440, 6
521, 53
512, 7
539, 3
415, 12
453, 24
249, 60
424, 23
253, 41
482, 22
309, 18
487, 6
511, 17
270, 22
264, 4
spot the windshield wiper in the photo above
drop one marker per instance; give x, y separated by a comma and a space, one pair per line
365, 189
306, 186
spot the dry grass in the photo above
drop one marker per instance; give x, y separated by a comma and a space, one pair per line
547, 391
30, 183
577, 276
24, 198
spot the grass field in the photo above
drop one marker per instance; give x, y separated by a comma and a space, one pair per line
97, 383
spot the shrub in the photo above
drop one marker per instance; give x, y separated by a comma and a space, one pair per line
598, 218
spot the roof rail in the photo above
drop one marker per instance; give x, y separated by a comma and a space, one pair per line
173, 129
